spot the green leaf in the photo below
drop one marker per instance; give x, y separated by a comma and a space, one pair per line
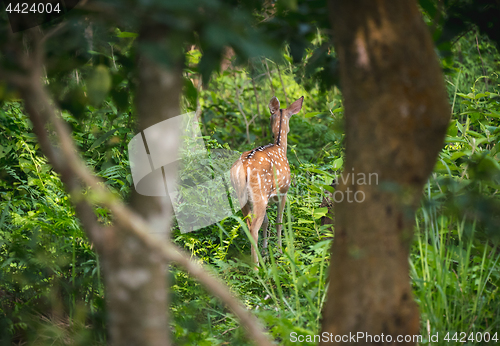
288, 58
475, 134
311, 114
320, 212
481, 140
319, 171
98, 85
190, 92
493, 114
457, 155
452, 129
469, 96
328, 188
440, 167
338, 163
25, 165
101, 139
125, 34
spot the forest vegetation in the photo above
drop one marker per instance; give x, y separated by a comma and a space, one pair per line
52, 286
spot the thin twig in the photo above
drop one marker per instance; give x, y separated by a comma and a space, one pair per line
258, 107
269, 77
228, 330
482, 63
253, 118
247, 125
459, 37
243, 84
198, 103
52, 32
256, 96
282, 85
113, 56
124, 140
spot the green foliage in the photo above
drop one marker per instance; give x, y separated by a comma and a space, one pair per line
50, 283
47, 264
309, 135
287, 292
467, 173
455, 258
456, 278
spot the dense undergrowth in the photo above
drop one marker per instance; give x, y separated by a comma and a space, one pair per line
50, 285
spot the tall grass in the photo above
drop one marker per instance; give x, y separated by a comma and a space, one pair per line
455, 273
288, 290
455, 278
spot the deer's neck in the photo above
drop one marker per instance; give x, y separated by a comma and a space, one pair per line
281, 139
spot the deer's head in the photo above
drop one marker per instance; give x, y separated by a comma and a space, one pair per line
280, 117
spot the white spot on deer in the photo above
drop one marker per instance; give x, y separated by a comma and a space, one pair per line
260, 185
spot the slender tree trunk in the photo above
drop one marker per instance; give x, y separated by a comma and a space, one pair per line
396, 112
135, 276
136, 281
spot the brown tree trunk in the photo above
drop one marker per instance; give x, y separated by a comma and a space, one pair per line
135, 277
396, 112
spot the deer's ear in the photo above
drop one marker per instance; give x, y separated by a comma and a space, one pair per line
274, 105
295, 107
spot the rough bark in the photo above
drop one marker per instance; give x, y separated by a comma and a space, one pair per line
396, 113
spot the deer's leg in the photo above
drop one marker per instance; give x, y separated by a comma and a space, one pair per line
246, 210
265, 223
279, 219
259, 211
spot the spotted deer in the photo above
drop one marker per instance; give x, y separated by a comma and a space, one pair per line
262, 175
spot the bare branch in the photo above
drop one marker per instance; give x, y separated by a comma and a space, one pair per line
247, 124
66, 161
52, 32
282, 84
482, 63
256, 96
269, 76
253, 118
